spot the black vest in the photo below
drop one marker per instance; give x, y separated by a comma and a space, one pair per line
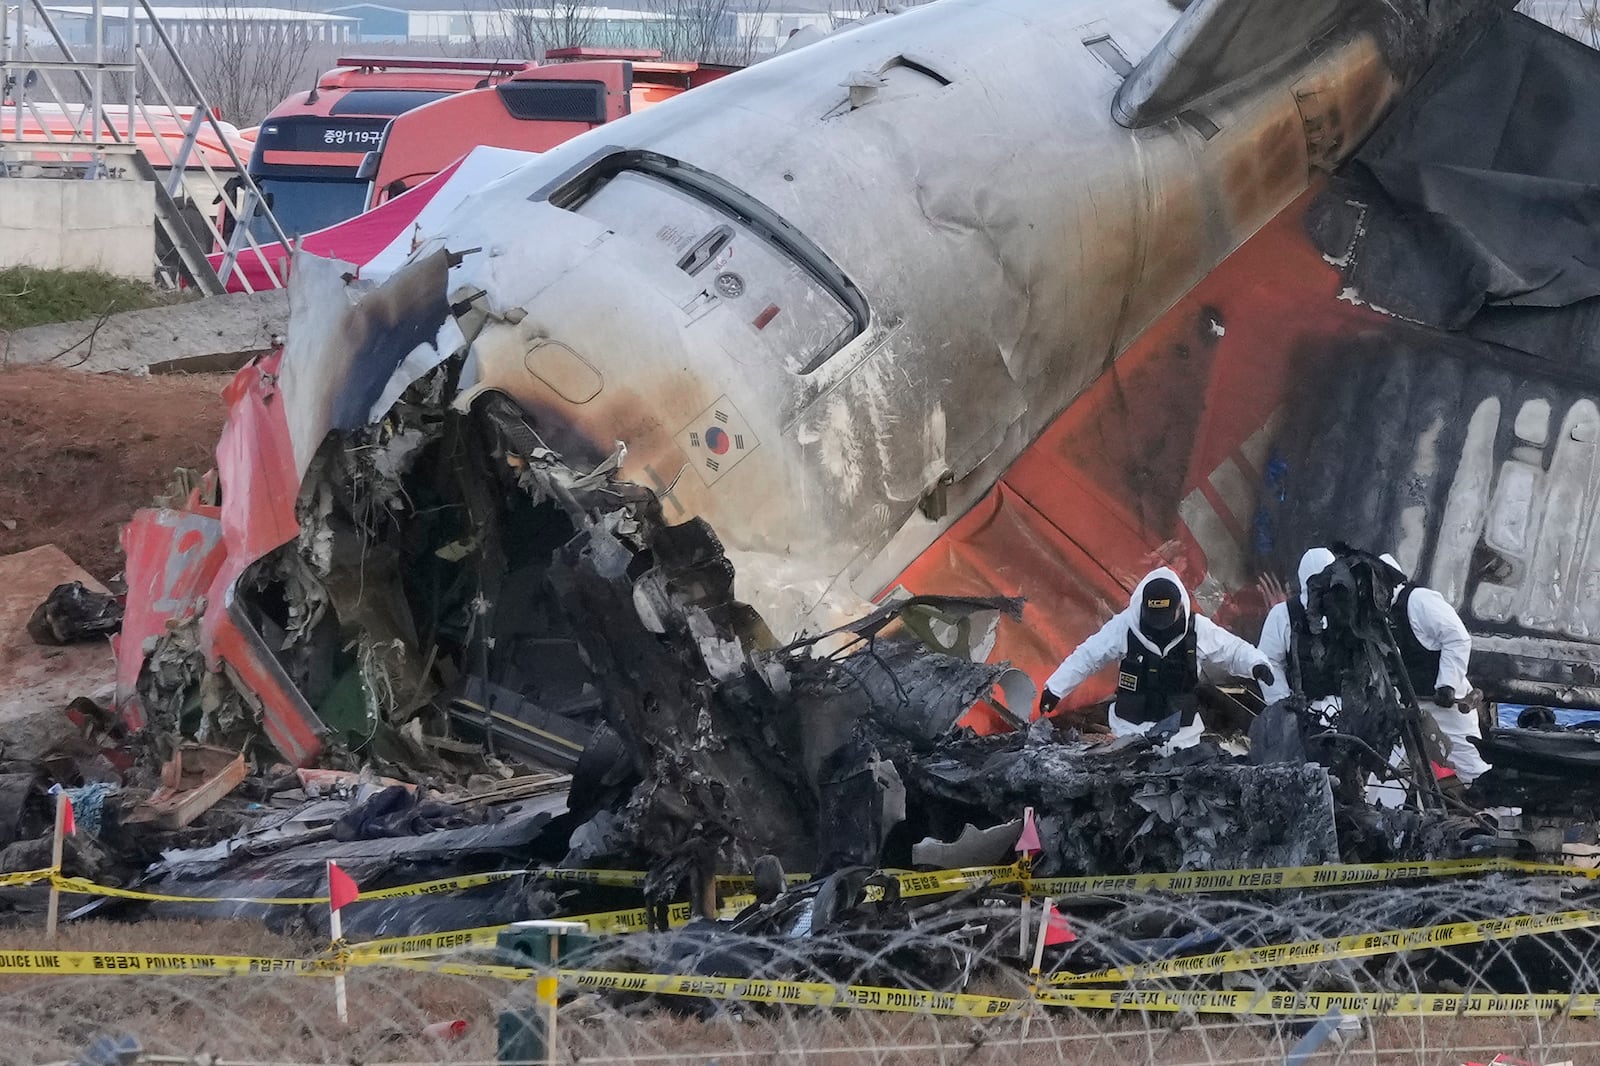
1422, 665
1310, 673
1152, 687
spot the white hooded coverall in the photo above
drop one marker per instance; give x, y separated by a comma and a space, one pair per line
1439, 628
1275, 637
1214, 647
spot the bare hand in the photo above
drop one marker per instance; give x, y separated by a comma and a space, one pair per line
1272, 590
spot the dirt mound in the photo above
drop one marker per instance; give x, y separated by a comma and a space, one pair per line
79, 453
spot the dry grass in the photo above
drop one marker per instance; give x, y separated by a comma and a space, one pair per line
265, 1018
292, 1020
30, 296
220, 938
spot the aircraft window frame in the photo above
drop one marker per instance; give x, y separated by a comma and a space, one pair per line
569, 192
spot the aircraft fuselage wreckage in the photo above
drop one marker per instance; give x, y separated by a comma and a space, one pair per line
987, 298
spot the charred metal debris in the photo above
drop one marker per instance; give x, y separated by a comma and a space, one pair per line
521, 664
460, 597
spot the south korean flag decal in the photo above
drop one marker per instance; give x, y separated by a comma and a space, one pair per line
717, 440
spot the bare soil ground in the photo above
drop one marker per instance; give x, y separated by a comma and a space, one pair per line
79, 453
37, 682
275, 1019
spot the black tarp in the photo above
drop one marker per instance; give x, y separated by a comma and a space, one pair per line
1476, 206
507, 840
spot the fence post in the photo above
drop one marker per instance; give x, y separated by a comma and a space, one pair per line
57, 847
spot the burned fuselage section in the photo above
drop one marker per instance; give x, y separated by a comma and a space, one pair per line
829, 299
457, 596
491, 507
828, 380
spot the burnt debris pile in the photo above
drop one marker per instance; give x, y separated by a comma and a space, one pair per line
520, 667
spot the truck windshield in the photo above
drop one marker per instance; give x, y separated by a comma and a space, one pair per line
304, 205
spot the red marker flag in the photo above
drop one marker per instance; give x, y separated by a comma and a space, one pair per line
1028, 839
1057, 931
69, 824
342, 887
342, 890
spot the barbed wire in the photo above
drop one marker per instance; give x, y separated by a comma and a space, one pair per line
1208, 1007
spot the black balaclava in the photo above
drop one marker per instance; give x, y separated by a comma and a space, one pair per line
1161, 615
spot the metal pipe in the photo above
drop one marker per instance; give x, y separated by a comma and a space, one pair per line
231, 207
132, 44
178, 165
241, 234
5, 61
97, 107
14, 46
194, 88
1411, 731
61, 46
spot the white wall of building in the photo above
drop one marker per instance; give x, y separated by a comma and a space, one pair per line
768, 30
73, 224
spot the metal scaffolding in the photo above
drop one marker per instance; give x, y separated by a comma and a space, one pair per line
112, 116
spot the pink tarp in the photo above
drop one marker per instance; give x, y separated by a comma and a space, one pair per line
361, 239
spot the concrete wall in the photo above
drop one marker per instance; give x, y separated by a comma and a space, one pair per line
215, 333
73, 224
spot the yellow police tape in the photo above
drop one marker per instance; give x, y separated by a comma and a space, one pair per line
105, 963
636, 878
1187, 882
912, 884
1318, 1004
795, 993
1359, 945
1284, 877
968, 1005
818, 994
625, 921
1284, 1003
936, 882
1270, 956
634, 920
85, 887
27, 877
402, 952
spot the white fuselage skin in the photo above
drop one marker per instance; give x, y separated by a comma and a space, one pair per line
1009, 237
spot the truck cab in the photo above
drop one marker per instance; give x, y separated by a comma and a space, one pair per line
532, 110
309, 151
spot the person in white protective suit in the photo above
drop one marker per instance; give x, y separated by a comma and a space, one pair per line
1287, 633
1163, 646
1435, 646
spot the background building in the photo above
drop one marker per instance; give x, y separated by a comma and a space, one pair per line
186, 24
